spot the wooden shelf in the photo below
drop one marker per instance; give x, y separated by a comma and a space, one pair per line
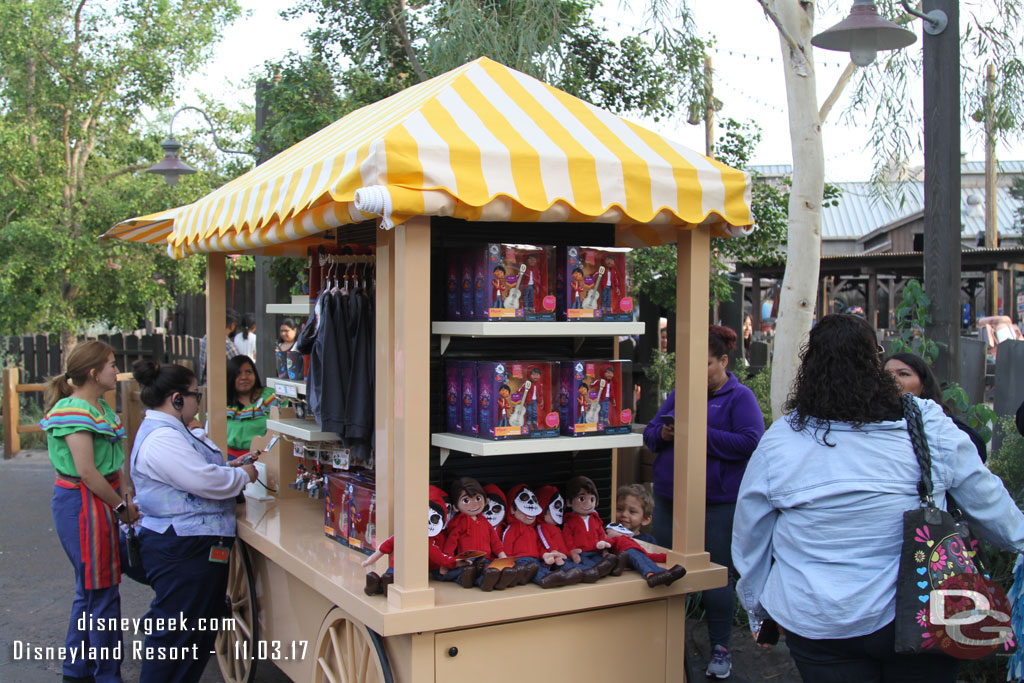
290, 309
287, 388
484, 447
306, 430
524, 329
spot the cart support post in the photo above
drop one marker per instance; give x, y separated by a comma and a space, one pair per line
216, 359
692, 294
412, 413
384, 445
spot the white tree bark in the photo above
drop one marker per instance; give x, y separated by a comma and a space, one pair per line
795, 21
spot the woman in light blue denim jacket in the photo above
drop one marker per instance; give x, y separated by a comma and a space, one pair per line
818, 526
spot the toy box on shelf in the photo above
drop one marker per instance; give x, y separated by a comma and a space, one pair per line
595, 397
515, 399
597, 284
501, 282
349, 510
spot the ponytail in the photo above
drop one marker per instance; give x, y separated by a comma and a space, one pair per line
83, 359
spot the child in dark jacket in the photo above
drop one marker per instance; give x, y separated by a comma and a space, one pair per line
634, 509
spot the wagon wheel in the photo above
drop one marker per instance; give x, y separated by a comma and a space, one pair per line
350, 652
236, 649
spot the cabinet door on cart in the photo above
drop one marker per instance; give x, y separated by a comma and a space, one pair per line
616, 644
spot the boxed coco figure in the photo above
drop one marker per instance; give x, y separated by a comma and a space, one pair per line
453, 287
595, 397
467, 377
453, 396
597, 284
515, 400
349, 510
512, 282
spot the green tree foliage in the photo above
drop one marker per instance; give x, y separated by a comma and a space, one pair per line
1017, 192
386, 46
75, 77
654, 268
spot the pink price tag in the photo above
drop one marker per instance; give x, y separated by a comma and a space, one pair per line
548, 303
551, 420
626, 304
626, 417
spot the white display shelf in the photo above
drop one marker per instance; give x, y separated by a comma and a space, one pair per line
287, 387
290, 309
306, 430
472, 328
447, 441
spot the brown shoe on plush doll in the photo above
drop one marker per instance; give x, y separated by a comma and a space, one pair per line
373, 586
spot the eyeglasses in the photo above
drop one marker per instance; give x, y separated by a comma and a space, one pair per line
197, 394
881, 351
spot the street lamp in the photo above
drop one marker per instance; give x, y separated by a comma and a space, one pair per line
864, 33
171, 167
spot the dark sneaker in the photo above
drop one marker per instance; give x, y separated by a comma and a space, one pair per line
721, 663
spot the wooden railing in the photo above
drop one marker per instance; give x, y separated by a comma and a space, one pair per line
126, 396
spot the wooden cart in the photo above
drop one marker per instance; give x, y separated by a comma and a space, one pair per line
297, 595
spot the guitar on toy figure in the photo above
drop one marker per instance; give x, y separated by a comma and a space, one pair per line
515, 294
518, 418
593, 298
594, 409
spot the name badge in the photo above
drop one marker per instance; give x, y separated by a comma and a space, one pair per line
219, 553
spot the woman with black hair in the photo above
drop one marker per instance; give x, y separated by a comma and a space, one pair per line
249, 404
913, 376
819, 517
186, 493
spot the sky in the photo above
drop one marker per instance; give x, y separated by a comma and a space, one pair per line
748, 76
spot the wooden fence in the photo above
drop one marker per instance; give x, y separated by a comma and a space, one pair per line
126, 396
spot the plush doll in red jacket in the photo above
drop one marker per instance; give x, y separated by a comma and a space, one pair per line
470, 532
583, 529
439, 562
495, 508
549, 529
632, 554
522, 541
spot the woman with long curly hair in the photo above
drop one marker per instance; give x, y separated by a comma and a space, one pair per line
819, 517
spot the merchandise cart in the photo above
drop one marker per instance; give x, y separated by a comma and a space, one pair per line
479, 148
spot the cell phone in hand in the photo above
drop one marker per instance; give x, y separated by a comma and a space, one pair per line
769, 633
669, 420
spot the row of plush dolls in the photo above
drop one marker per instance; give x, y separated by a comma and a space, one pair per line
541, 541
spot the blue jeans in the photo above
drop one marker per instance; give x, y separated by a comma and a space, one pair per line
100, 603
542, 569
640, 562
589, 558
531, 415
606, 299
719, 603
605, 409
185, 582
528, 297
870, 658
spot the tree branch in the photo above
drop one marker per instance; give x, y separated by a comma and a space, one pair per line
19, 183
120, 172
53, 65
796, 50
403, 39
837, 90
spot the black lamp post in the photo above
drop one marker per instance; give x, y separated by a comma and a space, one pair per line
171, 168
858, 34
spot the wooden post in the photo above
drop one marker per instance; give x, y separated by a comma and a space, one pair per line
991, 228
412, 414
690, 473
942, 187
384, 385
12, 416
755, 310
216, 359
872, 299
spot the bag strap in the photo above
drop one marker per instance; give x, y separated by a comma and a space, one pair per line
915, 426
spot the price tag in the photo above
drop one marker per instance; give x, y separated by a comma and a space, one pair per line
340, 458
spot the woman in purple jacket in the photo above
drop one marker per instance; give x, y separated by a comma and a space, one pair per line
735, 425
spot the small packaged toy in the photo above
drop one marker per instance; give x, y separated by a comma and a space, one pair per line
597, 284
512, 282
515, 400
349, 510
595, 397
453, 396
469, 419
467, 301
453, 287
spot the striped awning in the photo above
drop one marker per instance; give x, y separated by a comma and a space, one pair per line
483, 143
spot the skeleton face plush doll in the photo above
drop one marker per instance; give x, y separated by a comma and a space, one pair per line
439, 497
436, 518
615, 529
552, 503
495, 506
525, 505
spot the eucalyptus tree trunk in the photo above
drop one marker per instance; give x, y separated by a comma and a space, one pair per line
795, 22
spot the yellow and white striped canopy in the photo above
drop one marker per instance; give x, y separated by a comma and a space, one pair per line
482, 142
